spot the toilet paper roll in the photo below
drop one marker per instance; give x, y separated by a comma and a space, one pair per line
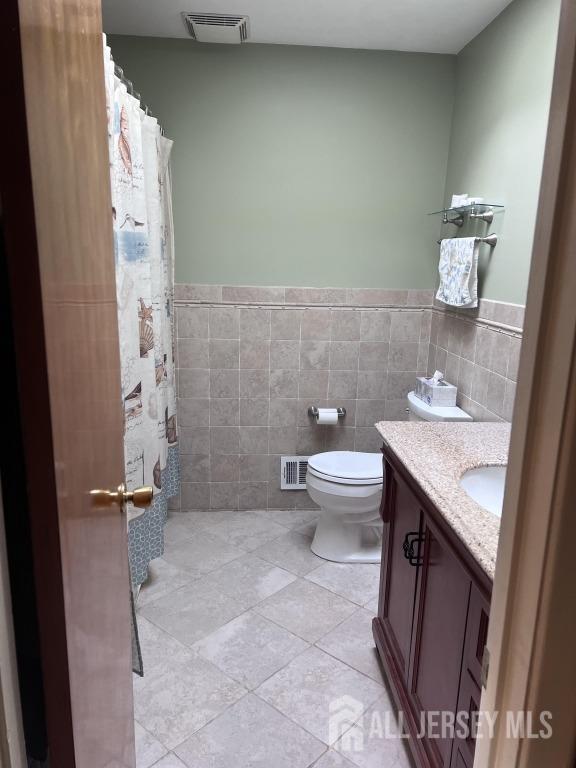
327, 416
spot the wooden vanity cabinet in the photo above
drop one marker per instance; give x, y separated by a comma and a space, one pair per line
398, 577
432, 618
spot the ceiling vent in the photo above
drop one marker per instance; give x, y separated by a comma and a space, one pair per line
293, 472
216, 27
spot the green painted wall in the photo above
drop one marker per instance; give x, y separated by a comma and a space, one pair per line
503, 87
317, 166
300, 166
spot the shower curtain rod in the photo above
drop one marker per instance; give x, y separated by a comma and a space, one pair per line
119, 72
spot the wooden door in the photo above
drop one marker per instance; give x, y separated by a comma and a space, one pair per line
56, 208
402, 517
438, 638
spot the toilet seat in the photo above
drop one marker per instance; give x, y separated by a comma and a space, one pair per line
347, 467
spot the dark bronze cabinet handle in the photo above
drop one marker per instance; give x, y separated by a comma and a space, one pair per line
411, 539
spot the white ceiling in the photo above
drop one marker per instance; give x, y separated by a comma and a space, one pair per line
434, 26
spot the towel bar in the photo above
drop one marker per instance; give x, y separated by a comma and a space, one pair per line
490, 240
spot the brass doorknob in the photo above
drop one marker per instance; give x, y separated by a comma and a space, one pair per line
140, 497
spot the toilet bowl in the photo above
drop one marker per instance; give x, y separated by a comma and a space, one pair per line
347, 486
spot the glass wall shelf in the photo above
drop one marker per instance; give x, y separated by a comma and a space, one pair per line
482, 211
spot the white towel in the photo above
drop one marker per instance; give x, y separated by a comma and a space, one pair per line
458, 270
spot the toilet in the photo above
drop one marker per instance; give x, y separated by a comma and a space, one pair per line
347, 486
418, 410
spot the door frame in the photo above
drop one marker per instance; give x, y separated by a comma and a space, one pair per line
532, 632
12, 749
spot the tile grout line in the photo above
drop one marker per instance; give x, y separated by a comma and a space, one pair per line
328, 746
211, 720
137, 722
253, 691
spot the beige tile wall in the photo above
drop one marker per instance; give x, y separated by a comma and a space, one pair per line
248, 372
251, 360
479, 353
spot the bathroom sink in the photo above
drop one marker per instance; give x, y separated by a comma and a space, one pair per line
486, 486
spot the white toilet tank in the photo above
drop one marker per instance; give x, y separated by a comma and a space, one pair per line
418, 410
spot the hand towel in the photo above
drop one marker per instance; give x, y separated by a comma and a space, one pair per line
458, 270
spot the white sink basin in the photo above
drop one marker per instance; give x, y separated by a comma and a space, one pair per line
486, 486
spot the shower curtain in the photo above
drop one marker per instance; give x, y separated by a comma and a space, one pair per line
144, 251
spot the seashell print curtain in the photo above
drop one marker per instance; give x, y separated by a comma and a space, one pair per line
144, 250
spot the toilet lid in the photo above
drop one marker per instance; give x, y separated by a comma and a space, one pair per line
348, 465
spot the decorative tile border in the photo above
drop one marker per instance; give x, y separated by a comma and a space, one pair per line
501, 313
497, 313
295, 296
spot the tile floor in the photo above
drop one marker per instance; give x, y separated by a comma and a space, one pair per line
248, 640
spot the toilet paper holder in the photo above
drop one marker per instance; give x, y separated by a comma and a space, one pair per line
313, 412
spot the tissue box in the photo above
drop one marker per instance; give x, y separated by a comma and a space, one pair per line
435, 393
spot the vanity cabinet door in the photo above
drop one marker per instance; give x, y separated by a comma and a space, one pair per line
402, 516
460, 762
471, 677
438, 638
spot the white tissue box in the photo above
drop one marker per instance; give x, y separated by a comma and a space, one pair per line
433, 393
459, 201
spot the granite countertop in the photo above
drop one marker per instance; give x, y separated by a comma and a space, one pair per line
436, 455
